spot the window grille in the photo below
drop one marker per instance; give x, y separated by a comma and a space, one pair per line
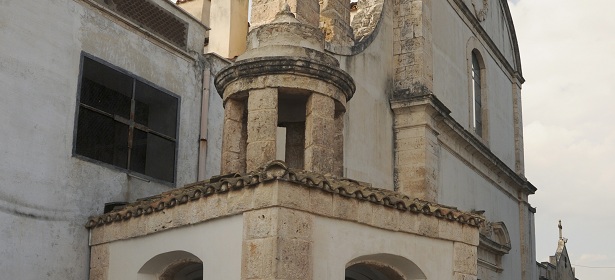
126, 122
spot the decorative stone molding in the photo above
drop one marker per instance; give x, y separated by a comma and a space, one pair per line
231, 79
513, 68
278, 171
495, 238
480, 9
494, 242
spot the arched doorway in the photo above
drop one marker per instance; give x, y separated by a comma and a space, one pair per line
371, 271
383, 267
174, 265
183, 270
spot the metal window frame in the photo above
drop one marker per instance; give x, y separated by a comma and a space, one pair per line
135, 77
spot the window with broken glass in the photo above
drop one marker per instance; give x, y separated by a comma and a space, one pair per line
126, 122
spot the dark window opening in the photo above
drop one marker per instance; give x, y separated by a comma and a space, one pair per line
125, 122
291, 116
477, 108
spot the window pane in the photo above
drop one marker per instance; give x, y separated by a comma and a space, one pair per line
105, 99
153, 156
100, 137
106, 89
138, 153
160, 161
156, 109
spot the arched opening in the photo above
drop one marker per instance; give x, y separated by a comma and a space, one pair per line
477, 93
371, 271
383, 267
174, 265
183, 270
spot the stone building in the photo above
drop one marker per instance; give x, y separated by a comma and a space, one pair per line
380, 139
559, 266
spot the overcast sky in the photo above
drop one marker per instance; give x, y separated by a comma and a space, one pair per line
568, 58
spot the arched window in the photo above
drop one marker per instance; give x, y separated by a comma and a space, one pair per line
477, 93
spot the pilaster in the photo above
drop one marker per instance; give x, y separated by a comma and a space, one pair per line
518, 126
412, 46
417, 150
277, 244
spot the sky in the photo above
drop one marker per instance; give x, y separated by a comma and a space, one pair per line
568, 59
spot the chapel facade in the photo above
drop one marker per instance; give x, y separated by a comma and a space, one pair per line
278, 139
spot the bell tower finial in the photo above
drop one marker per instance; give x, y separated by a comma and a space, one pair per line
560, 229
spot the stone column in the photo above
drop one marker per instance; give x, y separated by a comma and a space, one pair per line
319, 133
264, 11
295, 144
338, 144
262, 126
234, 138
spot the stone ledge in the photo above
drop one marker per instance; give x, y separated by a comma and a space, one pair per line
275, 185
445, 124
250, 69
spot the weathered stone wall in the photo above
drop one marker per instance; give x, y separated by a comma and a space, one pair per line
46, 193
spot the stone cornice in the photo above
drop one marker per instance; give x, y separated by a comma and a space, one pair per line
515, 71
280, 65
447, 124
278, 171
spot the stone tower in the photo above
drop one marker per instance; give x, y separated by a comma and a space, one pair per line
284, 80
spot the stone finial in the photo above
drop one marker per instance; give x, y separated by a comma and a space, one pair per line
285, 14
285, 8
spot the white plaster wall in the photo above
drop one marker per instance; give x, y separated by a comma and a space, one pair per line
452, 81
467, 190
338, 242
215, 119
46, 194
368, 133
217, 243
501, 119
450, 36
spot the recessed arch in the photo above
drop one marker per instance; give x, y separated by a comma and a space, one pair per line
383, 267
173, 265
